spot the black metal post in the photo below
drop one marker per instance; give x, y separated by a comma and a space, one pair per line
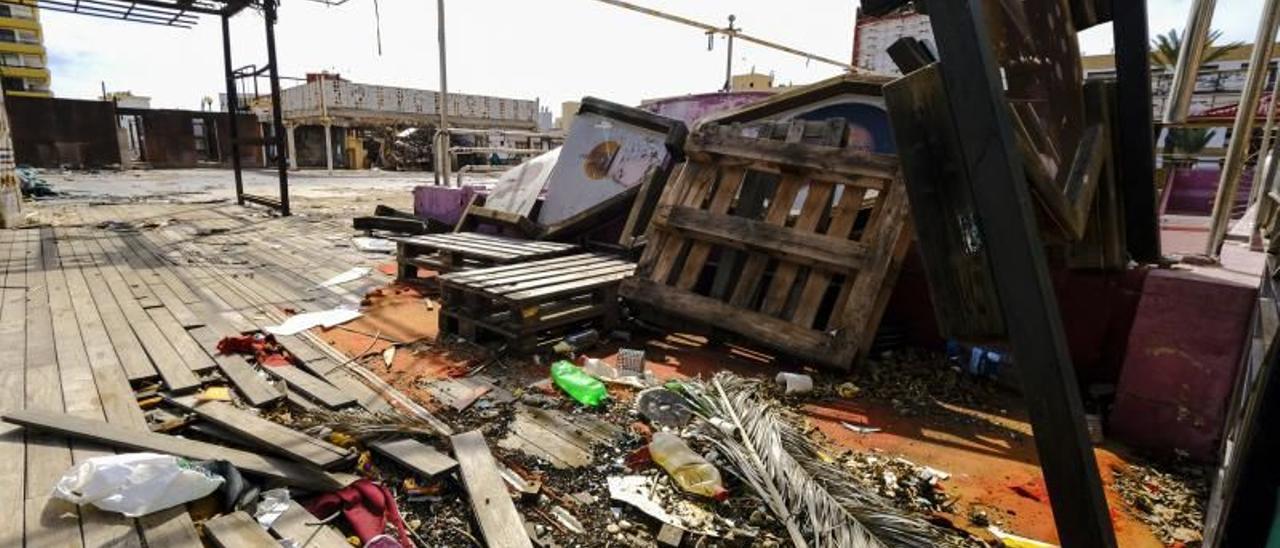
233, 107
1136, 164
1007, 223
277, 116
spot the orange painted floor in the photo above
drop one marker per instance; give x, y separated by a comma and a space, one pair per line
987, 454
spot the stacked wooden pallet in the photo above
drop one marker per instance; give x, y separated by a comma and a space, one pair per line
463, 250
521, 304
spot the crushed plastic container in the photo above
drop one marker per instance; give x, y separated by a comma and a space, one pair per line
582, 387
690, 471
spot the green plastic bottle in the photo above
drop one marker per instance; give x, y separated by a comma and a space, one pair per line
584, 388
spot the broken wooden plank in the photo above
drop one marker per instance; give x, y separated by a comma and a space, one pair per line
311, 386
255, 389
238, 530
423, 459
282, 440
305, 530
287, 472
499, 521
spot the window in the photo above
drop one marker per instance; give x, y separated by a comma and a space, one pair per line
14, 84
8, 35
16, 12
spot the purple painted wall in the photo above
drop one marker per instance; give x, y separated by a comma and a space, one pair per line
1194, 189
691, 108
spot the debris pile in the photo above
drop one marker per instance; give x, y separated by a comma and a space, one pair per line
1172, 502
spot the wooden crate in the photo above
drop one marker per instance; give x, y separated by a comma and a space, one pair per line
466, 250
528, 303
822, 249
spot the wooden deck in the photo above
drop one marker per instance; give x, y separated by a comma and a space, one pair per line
110, 298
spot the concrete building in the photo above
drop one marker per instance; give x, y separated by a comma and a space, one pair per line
333, 122
872, 37
1218, 84
568, 110
24, 67
126, 99
751, 82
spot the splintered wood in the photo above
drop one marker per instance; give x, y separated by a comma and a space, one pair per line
825, 233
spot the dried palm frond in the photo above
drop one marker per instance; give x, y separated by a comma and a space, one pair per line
362, 425
817, 502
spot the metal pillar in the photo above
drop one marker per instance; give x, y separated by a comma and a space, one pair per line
277, 116
328, 147
1136, 163
1008, 227
233, 108
442, 141
728, 65
1242, 132
292, 146
1194, 38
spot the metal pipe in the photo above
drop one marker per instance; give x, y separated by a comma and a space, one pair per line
233, 108
1242, 133
713, 29
728, 65
442, 135
1194, 39
277, 114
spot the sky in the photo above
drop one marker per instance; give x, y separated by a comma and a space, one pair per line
550, 50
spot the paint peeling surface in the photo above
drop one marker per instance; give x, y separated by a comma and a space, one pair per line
601, 158
518, 189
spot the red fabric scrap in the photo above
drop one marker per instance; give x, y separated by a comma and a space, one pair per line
366, 505
264, 349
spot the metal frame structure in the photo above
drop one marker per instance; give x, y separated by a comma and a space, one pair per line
185, 14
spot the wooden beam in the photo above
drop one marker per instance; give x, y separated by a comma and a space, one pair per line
828, 253
304, 529
1135, 136
118, 436
842, 161
499, 521
419, 457
770, 331
1007, 226
281, 440
238, 530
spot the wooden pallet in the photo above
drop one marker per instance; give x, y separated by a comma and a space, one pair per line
526, 303
823, 244
467, 250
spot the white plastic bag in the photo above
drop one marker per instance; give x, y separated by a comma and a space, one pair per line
135, 484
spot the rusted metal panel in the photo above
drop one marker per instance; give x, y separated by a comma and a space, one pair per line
57, 132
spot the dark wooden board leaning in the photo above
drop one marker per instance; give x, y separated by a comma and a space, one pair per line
819, 256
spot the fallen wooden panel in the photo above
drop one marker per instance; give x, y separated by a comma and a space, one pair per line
282, 440
417, 456
460, 393
304, 529
820, 258
552, 436
494, 512
238, 530
311, 386
117, 436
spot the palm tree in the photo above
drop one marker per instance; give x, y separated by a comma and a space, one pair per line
1167, 47
1165, 51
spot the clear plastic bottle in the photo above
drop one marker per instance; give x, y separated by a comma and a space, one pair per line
690, 471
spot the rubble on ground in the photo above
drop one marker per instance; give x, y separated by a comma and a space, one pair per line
1171, 498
